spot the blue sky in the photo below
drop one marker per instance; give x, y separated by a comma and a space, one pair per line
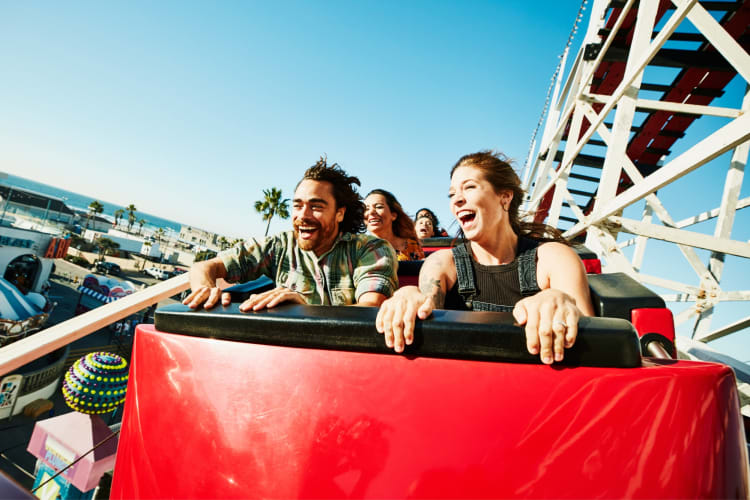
190, 109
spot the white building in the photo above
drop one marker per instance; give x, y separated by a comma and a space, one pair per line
199, 238
26, 257
128, 242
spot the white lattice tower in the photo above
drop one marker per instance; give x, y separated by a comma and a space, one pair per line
609, 88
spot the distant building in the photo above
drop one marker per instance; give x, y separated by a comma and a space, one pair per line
93, 222
128, 243
199, 238
30, 203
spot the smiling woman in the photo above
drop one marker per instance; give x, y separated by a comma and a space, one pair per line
386, 219
504, 265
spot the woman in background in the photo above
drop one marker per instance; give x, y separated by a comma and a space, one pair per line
386, 219
428, 225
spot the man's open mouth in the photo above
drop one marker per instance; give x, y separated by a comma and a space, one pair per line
306, 232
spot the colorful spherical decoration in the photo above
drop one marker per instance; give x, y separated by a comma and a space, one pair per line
96, 383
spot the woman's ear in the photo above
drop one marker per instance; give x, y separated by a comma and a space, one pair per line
506, 197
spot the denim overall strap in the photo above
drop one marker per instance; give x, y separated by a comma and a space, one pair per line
527, 268
464, 274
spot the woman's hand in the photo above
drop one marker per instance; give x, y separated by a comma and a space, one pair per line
551, 319
398, 314
271, 298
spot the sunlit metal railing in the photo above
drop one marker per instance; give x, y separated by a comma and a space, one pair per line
26, 350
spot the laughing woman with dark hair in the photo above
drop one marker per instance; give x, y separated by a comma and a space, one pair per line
386, 219
505, 264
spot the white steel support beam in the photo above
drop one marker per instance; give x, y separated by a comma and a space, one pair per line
680, 236
719, 38
723, 332
718, 143
689, 109
581, 82
603, 224
551, 149
725, 221
625, 111
653, 202
669, 27
674, 107
640, 241
711, 214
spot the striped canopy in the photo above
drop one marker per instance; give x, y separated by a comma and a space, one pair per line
14, 305
98, 296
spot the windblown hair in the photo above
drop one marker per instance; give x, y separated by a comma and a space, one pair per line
497, 169
403, 226
344, 191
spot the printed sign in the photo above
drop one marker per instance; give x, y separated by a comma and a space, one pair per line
58, 456
9, 388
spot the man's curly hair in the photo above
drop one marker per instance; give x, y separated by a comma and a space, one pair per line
344, 192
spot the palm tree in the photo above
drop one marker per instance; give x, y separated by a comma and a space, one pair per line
159, 234
118, 215
94, 208
141, 223
223, 243
130, 209
105, 246
271, 205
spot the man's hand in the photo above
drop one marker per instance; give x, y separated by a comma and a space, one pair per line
551, 319
271, 298
398, 314
206, 296
204, 291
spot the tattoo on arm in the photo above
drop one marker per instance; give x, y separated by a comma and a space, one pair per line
432, 288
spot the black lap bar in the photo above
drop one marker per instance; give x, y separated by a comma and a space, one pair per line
490, 336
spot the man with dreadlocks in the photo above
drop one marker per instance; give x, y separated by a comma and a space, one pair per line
323, 260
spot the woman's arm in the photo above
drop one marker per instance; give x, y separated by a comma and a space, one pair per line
551, 316
398, 314
559, 267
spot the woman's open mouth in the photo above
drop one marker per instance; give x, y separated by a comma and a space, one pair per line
465, 218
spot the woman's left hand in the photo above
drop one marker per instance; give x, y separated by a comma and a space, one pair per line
551, 319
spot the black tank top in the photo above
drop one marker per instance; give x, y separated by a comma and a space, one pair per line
493, 288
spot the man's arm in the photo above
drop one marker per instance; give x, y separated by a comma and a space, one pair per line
374, 274
371, 299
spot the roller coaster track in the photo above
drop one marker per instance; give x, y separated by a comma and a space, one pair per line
645, 72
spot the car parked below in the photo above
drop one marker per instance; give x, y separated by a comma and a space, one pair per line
157, 273
107, 268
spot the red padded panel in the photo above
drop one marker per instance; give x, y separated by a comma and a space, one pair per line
653, 320
206, 418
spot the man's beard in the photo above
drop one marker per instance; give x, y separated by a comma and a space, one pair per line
308, 244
